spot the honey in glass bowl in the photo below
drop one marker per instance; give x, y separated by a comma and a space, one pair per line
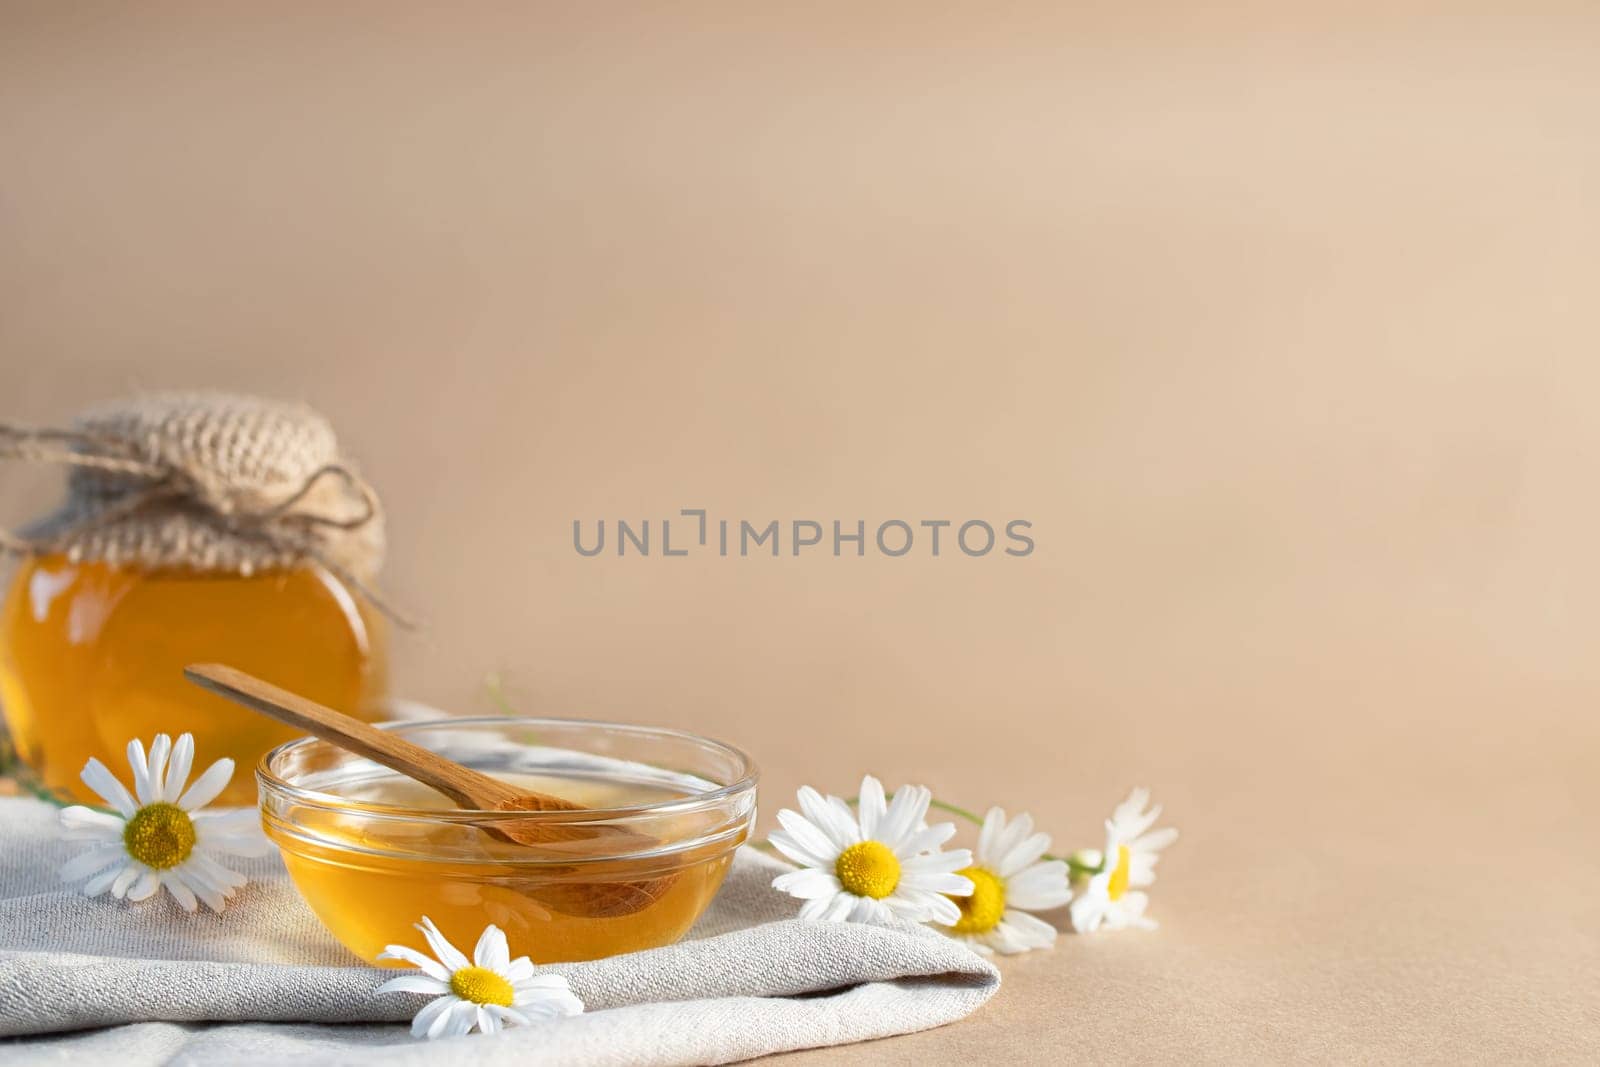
372, 852
92, 656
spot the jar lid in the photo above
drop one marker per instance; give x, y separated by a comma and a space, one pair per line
204, 481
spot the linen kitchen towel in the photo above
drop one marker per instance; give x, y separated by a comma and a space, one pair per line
91, 979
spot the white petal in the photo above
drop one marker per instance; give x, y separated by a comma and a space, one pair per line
808, 839
1131, 822
210, 880
838, 909
926, 839
92, 838
462, 1016
1129, 911
492, 952
414, 983
792, 851
86, 822
141, 772
1030, 930
841, 829
818, 907
518, 970
178, 770
208, 786
431, 967
909, 904
1017, 831
943, 911
487, 1023
205, 868
236, 832
94, 835
1023, 854
907, 811
1040, 887
1129, 829
113, 792
124, 879
432, 1012
1005, 939
147, 883
957, 885
107, 879
448, 954
509, 1016
93, 862
1088, 912
1133, 807
180, 892
919, 905
994, 824
867, 910
807, 884
444, 1024
937, 862
213, 898
845, 816
552, 1002
160, 749
872, 806
1154, 841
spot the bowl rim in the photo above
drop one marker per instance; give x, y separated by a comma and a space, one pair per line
270, 782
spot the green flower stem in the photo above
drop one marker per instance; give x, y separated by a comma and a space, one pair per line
494, 685
953, 810
59, 797
1077, 869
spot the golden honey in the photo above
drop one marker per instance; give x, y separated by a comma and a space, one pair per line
92, 656
370, 879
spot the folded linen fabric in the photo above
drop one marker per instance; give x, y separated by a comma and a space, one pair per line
263, 981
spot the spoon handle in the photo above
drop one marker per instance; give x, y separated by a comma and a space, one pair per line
464, 786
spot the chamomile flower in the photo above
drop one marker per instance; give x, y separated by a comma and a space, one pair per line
1008, 881
1129, 860
162, 838
489, 992
883, 863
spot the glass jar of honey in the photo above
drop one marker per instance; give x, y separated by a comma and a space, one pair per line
198, 528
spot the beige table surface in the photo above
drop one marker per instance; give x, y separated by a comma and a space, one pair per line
1280, 328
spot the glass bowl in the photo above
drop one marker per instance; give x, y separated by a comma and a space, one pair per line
372, 852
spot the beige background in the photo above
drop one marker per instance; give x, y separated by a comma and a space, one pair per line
1281, 329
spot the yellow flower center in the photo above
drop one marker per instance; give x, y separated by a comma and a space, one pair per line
868, 869
983, 910
160, 836
1118, 884
481, 986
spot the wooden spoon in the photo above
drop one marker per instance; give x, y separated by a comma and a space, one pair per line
466, 787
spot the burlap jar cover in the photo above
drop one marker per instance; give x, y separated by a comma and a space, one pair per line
207, 482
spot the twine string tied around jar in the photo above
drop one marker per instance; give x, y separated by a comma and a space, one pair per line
173, 492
